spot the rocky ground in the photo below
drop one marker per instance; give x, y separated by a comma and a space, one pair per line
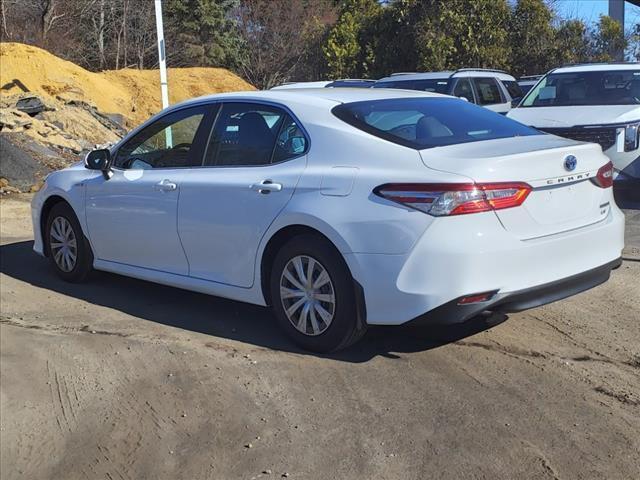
122, 379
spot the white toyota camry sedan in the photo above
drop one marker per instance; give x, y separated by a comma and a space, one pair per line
340, 208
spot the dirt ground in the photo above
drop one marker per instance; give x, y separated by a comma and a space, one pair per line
123, 379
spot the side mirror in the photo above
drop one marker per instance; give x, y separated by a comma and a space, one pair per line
99, 160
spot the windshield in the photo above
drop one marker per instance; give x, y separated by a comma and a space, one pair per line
436, 85
429, 122
617, 87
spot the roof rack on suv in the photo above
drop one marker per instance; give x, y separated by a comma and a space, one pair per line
402, 73
530, 77
495, 70
586, 64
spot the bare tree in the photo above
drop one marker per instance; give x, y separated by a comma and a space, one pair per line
51, 15
274, 36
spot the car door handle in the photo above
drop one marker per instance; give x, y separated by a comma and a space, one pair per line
266, 186
166, 186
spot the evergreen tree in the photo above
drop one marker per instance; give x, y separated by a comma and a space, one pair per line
202, 33
608, 40
531, 37
572, 43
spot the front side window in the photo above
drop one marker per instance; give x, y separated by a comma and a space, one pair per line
166, 143
616, 87
429, 122
435, 85
488, 91
464, 89
252, 134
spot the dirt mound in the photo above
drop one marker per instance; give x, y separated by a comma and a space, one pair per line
133, 93
52, 109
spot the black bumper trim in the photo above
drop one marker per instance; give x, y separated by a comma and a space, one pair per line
451, 312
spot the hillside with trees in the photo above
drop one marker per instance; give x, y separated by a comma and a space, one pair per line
268, 42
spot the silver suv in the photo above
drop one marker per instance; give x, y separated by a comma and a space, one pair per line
493, 89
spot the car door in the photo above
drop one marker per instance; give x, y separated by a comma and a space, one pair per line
254, 158
132, 216
490, 95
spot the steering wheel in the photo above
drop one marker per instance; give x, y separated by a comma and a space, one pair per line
185, 145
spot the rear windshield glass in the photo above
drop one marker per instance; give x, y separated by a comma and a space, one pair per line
617, 87
436, 85
429, 122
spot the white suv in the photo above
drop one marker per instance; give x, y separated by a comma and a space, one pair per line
493, 89
598, 103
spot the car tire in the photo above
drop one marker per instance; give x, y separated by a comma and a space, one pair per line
67, 248
320, 314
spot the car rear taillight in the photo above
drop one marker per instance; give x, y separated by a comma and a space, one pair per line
604, 177
443, 199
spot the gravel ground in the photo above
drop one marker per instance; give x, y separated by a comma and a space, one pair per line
122, 379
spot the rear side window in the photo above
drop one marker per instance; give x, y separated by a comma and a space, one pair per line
429, 122
435, 85
248, 134
488, 91
513, 88
290, 142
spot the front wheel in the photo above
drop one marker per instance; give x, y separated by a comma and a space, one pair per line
68, 249
313, 295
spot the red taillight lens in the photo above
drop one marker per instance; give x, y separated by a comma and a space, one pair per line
444, 199
604, 177
476, 298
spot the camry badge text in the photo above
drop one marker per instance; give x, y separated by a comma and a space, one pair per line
569, 179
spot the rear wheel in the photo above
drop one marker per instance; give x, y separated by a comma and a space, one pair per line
313, 295
68, 249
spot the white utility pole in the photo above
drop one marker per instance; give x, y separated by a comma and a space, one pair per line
162, 62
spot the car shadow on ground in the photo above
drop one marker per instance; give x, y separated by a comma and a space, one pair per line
627, 194
217, 316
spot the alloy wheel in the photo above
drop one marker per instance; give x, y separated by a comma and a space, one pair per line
63, 244
307, 295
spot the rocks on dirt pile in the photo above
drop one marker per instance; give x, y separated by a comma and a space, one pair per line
24, 162
39, 129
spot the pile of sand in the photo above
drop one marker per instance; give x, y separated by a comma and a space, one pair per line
133, 93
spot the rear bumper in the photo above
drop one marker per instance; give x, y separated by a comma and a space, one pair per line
469, 254
451, 312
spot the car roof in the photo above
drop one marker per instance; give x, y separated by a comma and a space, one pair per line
597, 67
445, 74
292, 85
328, 96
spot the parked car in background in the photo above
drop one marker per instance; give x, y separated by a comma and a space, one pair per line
493, 89
526, 83
597, 103
342, 83
339, 208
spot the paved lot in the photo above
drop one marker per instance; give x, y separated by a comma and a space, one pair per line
122, 379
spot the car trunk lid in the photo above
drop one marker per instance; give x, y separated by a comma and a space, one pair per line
562, 198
